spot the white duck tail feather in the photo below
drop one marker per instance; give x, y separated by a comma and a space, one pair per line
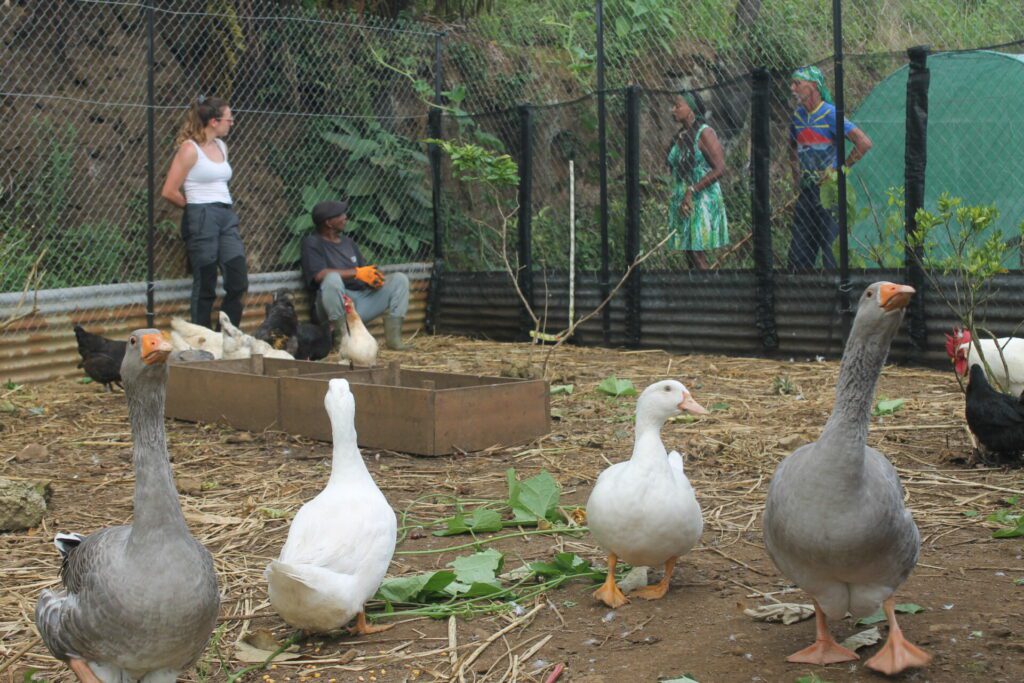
309, 597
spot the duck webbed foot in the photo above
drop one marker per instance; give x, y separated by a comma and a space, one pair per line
609, 592
898, 653
824, 650
81, 669
658, 590
363, 628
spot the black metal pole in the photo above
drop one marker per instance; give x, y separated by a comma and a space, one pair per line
840, 135
634, 284
915, 163
150, 171
602, 153
437, 132
524, 276
760, 207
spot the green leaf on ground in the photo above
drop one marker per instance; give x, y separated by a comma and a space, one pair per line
902, 608
557, 389
716, 407
480, 567
533, 499
887, 406
564, 564
685, 678
85, 380
418, 588
613, 386
482, 520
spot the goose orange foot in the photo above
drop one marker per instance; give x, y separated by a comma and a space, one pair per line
609, 592
362, 628
658, 590
82, 670
898, 653
825, 649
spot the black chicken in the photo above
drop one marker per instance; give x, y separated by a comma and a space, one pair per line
995, 418
280, 327
314, 341
101, 357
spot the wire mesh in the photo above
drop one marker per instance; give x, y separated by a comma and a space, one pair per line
307, 128
333, 104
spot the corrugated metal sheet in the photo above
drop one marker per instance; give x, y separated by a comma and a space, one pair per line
42, 346
709, 312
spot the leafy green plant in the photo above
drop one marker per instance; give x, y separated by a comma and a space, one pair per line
383, 176
1009, 518
783, 385
559, 389
613, 386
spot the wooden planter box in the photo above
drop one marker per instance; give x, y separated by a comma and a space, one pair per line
427, 413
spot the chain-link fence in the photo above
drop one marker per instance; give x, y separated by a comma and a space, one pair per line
331, 104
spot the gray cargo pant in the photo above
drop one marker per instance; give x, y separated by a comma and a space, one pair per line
393, 297
211, 236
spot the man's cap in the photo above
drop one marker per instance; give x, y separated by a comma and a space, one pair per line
328, 209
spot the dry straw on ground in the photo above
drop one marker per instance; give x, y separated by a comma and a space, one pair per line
240, 490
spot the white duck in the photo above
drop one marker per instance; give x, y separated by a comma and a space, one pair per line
644, 510
139, 601
834, 521
340, 543
357, 344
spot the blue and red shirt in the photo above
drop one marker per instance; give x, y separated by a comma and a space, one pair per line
815, 135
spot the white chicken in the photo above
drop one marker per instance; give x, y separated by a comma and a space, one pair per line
357, 344
186, 335
238, 344
961, 351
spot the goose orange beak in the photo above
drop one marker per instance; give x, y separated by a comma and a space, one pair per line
690, 406
892, 297
155, 349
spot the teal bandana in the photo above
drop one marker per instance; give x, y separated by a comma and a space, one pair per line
814, 75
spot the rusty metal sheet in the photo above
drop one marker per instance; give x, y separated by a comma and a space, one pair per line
42, 346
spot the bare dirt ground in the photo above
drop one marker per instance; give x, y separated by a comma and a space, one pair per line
236, 485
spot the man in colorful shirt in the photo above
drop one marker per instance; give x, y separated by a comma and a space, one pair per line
812, 146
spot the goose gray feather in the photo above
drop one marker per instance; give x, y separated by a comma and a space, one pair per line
138, 602
834, 520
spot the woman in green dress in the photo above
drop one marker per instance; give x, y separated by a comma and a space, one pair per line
696, 216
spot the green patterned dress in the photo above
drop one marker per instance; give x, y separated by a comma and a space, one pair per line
706, 227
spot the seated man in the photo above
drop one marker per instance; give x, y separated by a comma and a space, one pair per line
333, 266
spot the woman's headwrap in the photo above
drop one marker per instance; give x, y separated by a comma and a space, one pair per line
814, 75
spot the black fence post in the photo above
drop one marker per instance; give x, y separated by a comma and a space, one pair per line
602, 153
524, 276
150, 171
760, 207
915, 162
437, 132
840, 136
634, 284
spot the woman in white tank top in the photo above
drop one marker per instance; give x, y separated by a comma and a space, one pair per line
198, 183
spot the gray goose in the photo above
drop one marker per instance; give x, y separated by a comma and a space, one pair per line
834, 521
140, 601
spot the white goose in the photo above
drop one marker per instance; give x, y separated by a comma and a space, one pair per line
644, 510
834, 520
340, 543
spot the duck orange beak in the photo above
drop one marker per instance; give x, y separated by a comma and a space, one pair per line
155, 349
690, 406
892, 297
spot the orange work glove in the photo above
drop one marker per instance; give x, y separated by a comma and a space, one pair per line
370, 275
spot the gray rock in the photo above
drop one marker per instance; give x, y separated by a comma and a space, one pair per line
22, 504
